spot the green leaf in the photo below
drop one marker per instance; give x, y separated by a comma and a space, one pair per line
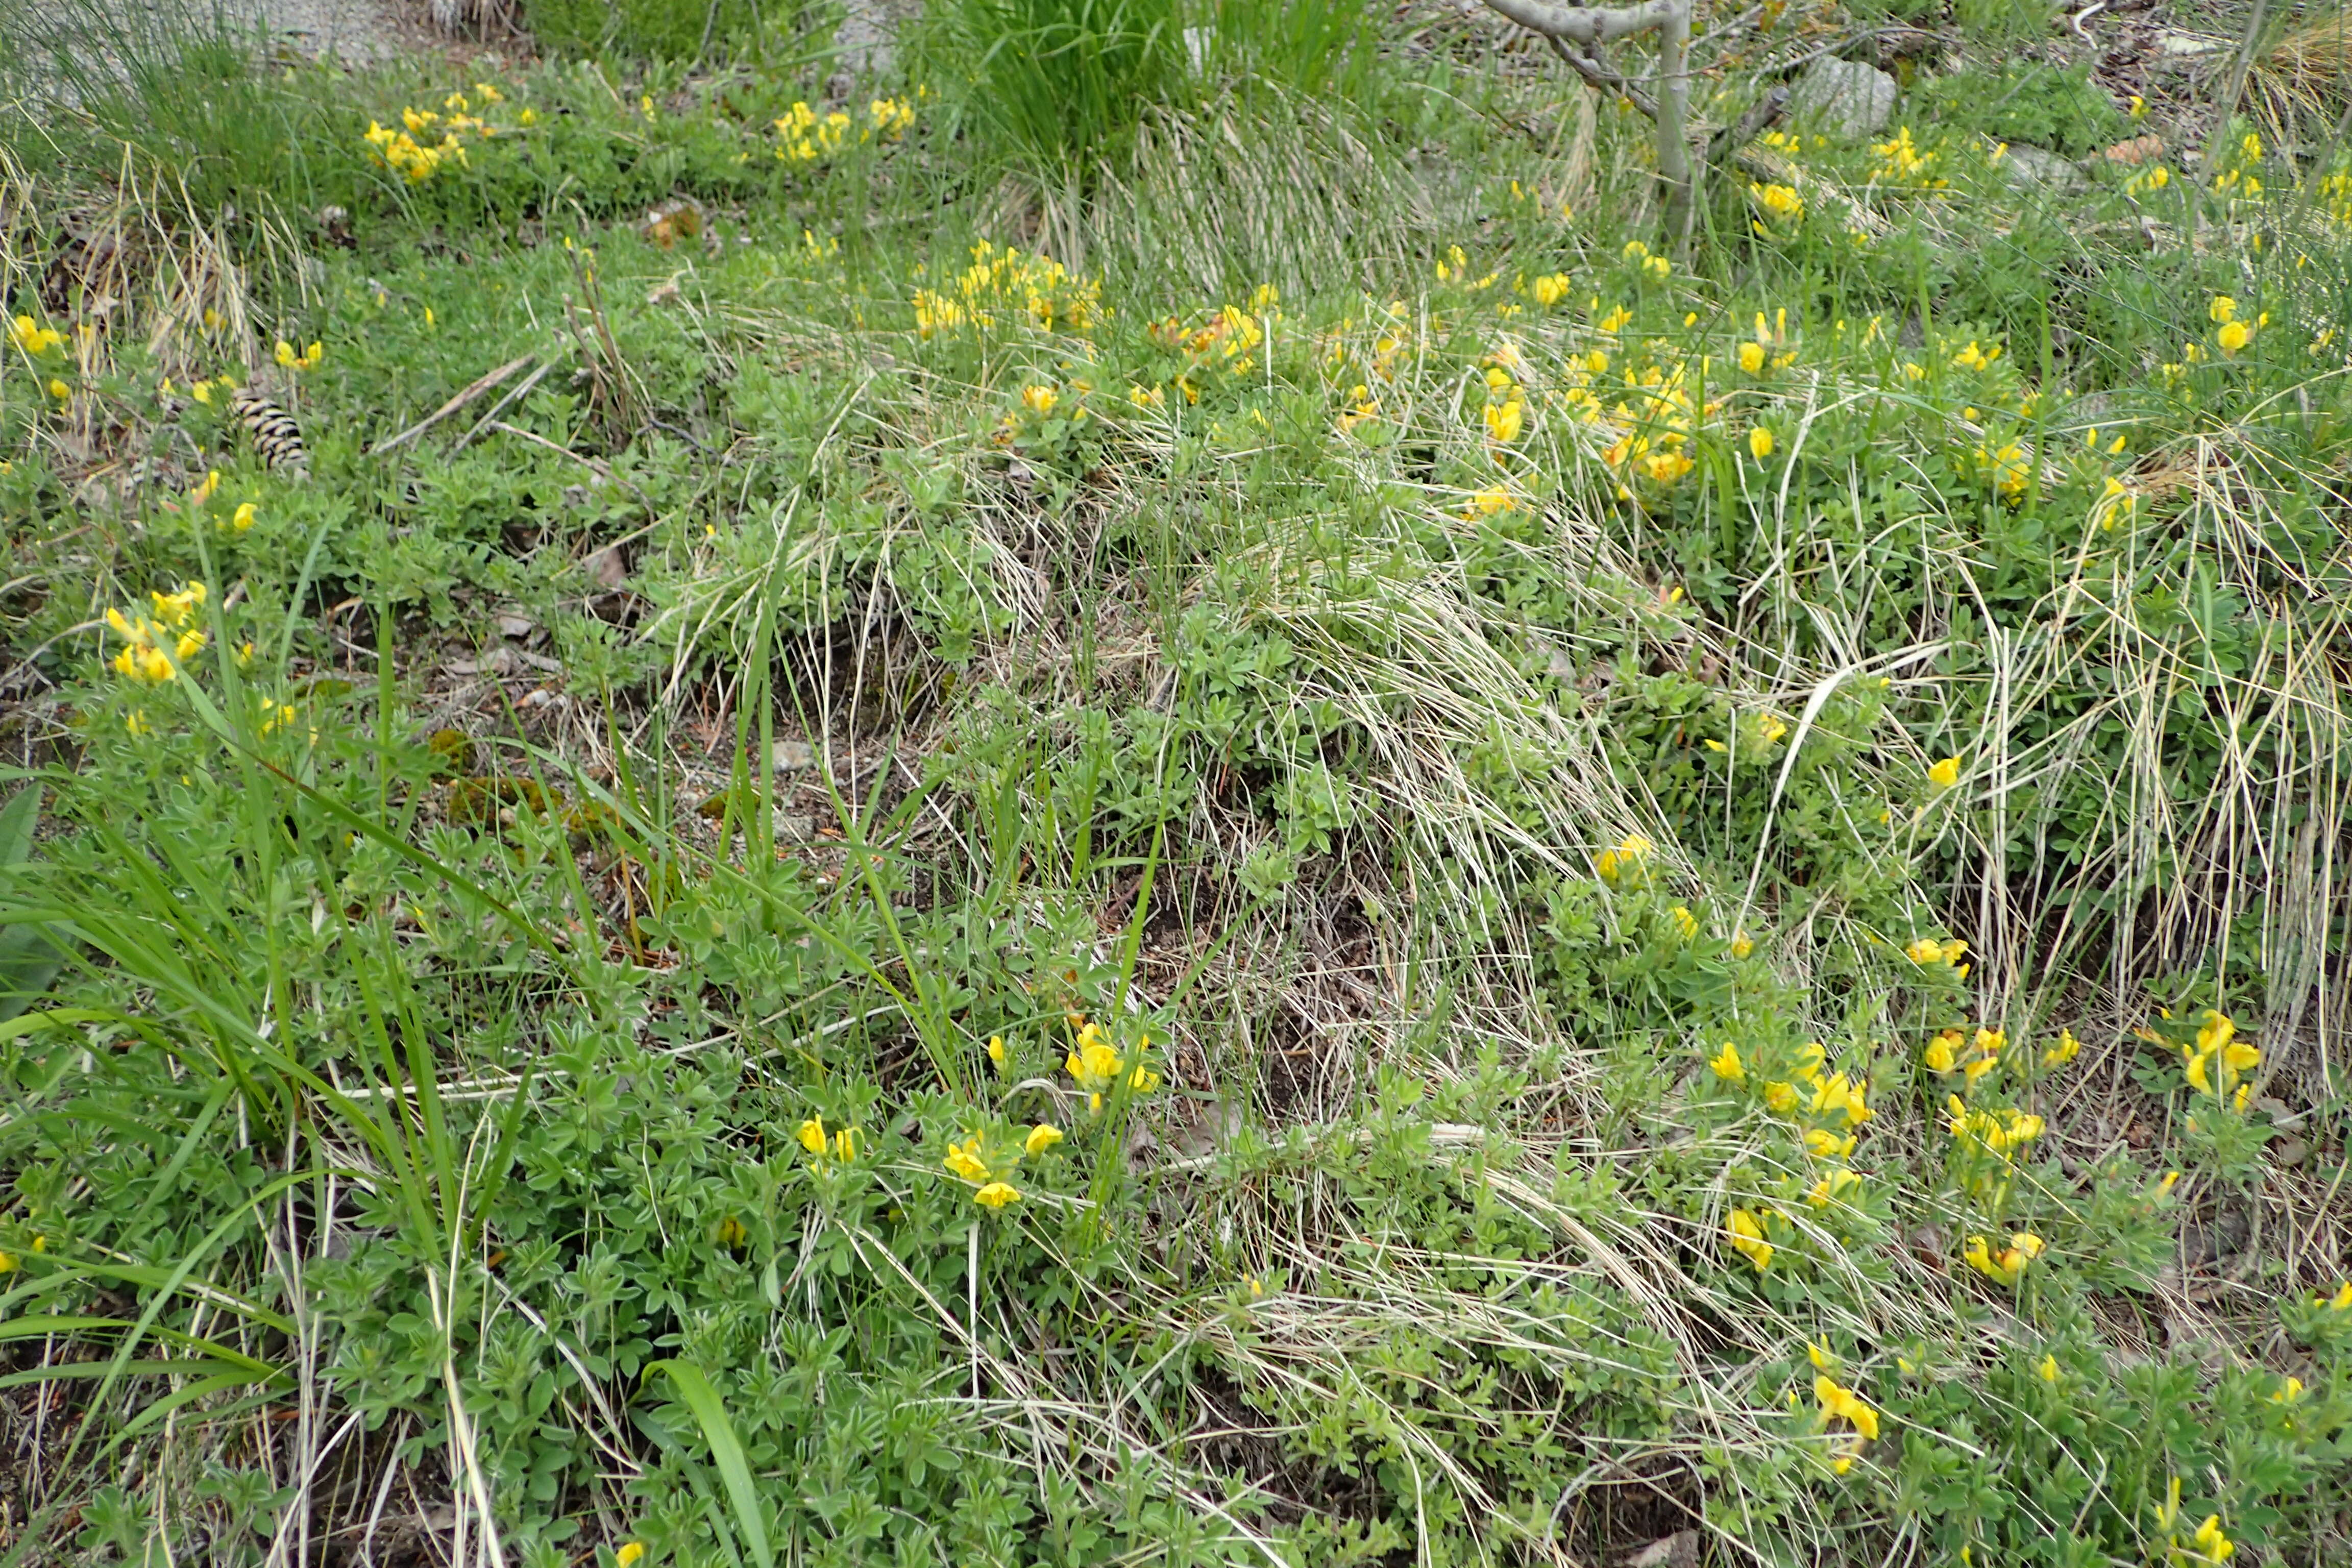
726, 1453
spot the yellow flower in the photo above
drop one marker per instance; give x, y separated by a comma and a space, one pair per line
1780, 1097
204, 493
1827, 1145
1740, 946
1504, 421
2234, 337
2047, 1367
1039, 400
1946, 774
191, 644
732, 1232
996, 1049
1840, 1096
2214, 1546
1748, 1240
1686, 922
1726, 1064
1042, 1137
627, 1554
2288, 1392
812, 1135
1552, 289
963, 1160
34, 339
1827, 1190
2064, 1051
1839, 1404
996, 1195
1943, 1051
2342, 1300
285, 354
845, 1144
60, 390
1625, 858
2171, 1180
243, 518
2223, 310
1751, 357
2005, 1265
203, 392
2138, 107
1759, 443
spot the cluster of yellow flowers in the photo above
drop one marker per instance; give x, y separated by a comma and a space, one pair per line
999, 281
1927, 951
1505, 411
2216, 1058
201, 497
2206, 1547
144, 659
1833, 1405
296, 359
804, 136
841, 1145
2007, 1266
1645, 264
1949, 1051
419, 160
1228, 339
2006, 466
1552, 289
1836, 1105
1454, 267
1900, 163
1096, 1065
2230, 332
1625, 861
1781, 203
35, 341
2000, 1132
2336, 190
989, 1173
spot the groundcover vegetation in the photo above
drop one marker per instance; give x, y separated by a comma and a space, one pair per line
1128, 795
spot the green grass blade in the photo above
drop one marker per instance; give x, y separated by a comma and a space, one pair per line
726, 1453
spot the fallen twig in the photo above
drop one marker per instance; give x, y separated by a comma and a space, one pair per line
468, 395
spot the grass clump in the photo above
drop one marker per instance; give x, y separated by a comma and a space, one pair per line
868, 869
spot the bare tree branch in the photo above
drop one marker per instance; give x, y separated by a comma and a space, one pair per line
1597, 73
1669, 110
1591, 25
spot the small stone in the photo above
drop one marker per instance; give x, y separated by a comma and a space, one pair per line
1843, 96
792, 756
2289, 1152
2029, 168
2138, 150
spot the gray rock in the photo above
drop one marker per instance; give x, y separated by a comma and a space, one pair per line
1845, 96
2038, 170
